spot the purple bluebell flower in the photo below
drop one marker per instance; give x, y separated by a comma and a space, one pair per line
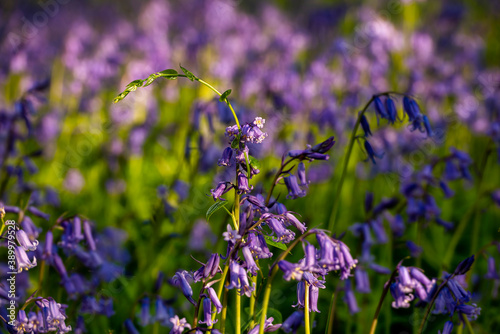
281, 233
162, 314
379, 231
129, 327
362, 281
38, 213
464, 266
301, 294
30, 228
293, 322
53, 315
379, 107
470, 311
293, 187
234, 270
257, 244
371, 153
220, 190
207, 313
243, 186
427, 126
215, 300
291, 270
144, 314
401, 299
180, 280
226, 157
411, 108
301, 174
22, 323
22, 260
492, 270
446, 189
350, 298
208, 270
365, 126
313, 298
252, 134
231, 235
249, 261
448, 327
415, 250
245, 287
324, 146
25, 242
179, 325
268, 327
392, 113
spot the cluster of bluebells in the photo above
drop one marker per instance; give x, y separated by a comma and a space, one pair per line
332, 255
387, 110
410, 281
261, 218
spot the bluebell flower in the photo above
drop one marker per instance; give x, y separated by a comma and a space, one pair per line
411, 108
257, 244
392, 113
291, 270
324, 146
162, 314
365, 126
448, 327
208, 270
371, 153
226, 157
252, 134
492, 270
281, 234
38, 213
129, 327
30, 228
231, 235
335, 255
401, 299
427, 126
268, 327
215, 300
234, 270
144, 313
179, 325
362, 281
470, 311
22, 260
301, 174
464, 266
379, 231
245, 287
249, 261
220, 190
379, 107
25, 242
293, 187
301, 294
350, 298
243, 186
415, 250
207, 313
180, 279
22, 323
293, 322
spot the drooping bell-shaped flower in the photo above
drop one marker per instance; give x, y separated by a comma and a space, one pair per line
25, 242
180, 279
207, 313
22, 260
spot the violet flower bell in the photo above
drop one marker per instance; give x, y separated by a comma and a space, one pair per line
25, 242
22, 260
207, 313
180, 279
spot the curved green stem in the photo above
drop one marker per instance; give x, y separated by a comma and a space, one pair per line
336, 199
306, 309
220, 94
381, 301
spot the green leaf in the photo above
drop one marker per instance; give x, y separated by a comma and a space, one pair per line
224, 95
270, 242
169, 74
151, 78
236, 142
189, 75
217, 206
254, 162
135, 83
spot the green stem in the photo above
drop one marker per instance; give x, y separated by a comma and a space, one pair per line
469, 326
238, 312
306, 309
220, 288
253, 279
223, 315
336, 199
331, 315
41, 273
272, 272
276, 177
381, 301
220, 94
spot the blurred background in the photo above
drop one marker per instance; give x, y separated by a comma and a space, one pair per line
141, 170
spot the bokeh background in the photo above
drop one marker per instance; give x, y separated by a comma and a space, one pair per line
141, 170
